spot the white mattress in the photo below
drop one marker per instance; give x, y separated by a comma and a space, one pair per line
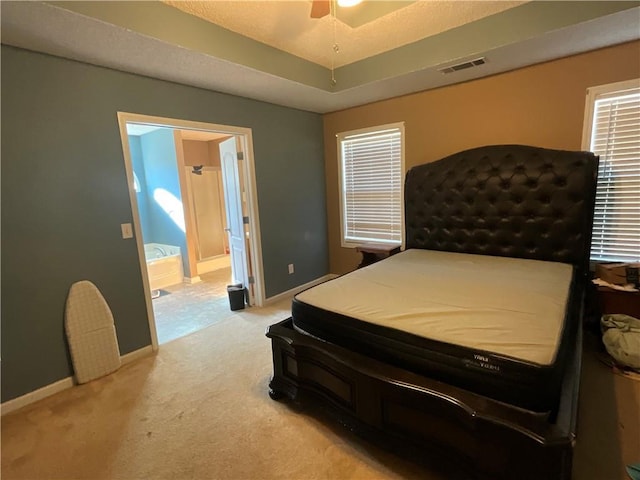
506, 306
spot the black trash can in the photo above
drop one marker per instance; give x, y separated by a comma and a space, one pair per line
236, 296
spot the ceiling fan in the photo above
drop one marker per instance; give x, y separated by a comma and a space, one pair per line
322, 8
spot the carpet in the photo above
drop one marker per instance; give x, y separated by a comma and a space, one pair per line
199, 409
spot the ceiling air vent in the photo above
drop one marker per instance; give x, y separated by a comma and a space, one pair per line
463, 66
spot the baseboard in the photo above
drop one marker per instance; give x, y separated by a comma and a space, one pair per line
32, 397
298, 289
55, 387
136, 354
213, 264
192, 280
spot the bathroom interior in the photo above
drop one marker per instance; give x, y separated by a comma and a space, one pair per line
179, 211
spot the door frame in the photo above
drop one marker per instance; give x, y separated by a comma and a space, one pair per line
255, 243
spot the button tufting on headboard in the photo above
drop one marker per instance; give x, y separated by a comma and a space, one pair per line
504, 200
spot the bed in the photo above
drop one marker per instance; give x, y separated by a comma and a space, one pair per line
468, 342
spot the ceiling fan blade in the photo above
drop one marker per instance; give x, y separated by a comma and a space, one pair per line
320, 8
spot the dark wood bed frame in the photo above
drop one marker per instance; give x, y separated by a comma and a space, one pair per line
506, 200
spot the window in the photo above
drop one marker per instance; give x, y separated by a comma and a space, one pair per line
612, 130
371, 166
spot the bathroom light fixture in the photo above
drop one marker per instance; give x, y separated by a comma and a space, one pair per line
197, 169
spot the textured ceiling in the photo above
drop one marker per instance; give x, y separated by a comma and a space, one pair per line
288, 26
155, 39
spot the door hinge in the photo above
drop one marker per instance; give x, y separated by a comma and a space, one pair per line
252, 280
240, 156
245, 220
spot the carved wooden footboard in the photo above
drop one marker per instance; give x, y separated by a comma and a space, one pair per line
492, 439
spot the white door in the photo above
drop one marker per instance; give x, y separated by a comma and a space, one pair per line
233, 207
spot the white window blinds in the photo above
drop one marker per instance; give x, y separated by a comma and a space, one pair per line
615, 136
371, 174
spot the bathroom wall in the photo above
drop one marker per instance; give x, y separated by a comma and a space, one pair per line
141, 197
196, 152
164, 199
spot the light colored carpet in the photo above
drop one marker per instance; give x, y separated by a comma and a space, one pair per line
199, 409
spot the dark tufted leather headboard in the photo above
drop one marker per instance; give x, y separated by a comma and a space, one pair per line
504, 200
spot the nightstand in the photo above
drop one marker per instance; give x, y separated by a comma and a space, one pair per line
618, 301
373, 252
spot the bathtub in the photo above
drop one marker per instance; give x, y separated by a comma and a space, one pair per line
164, 265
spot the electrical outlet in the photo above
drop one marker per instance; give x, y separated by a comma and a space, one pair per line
290, 268
127, 231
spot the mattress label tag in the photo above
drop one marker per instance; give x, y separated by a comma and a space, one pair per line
484, 362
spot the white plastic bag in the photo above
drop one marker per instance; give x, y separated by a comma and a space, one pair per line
621, 337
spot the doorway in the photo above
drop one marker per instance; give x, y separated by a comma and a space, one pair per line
193, 198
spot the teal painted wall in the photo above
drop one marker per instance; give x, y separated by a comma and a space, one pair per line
165, 221
137, 164
64, 196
